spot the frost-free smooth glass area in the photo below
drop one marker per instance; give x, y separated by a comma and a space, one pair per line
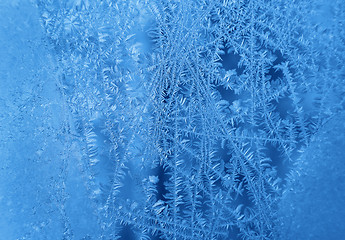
193, 119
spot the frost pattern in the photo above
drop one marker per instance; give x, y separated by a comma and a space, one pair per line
183, 119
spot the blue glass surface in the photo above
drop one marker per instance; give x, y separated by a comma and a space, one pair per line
193, 119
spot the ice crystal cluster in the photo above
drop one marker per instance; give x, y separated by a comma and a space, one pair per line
172, 119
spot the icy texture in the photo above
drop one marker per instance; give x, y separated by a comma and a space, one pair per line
312, 204
187, 119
